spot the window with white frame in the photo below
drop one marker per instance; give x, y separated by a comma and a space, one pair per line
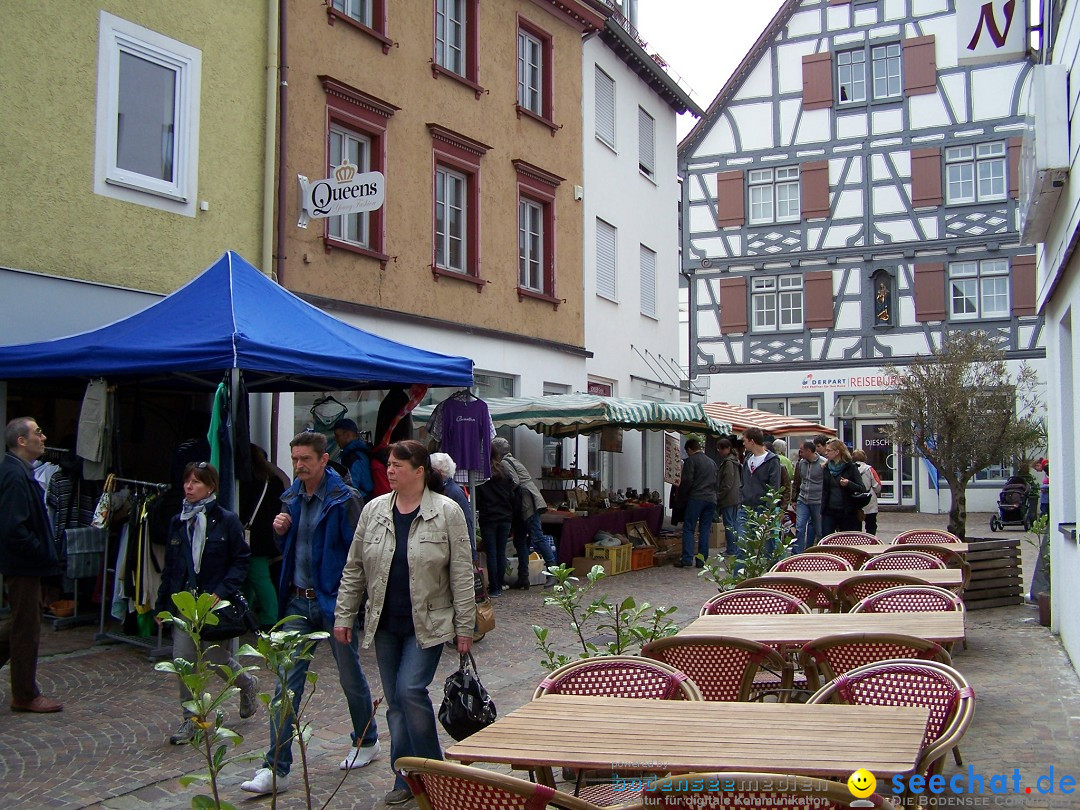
450, 25
530, 73
979, 290
851, 75
451, 212
648, 281
606, 252
605, 107
345, 145
147, 116
531, 245
359, 10
975, 173
885, 61
774, 195
777, 303
646, 143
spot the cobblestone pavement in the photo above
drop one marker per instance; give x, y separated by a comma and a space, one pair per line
109, 747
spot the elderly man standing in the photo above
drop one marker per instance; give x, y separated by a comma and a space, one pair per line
27, 553
697, 489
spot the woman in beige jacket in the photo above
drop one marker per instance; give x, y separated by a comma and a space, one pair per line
412, 557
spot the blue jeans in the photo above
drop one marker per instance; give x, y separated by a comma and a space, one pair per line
807, 525
495, 536
699, 515
540, 543
730, 516
407, 672
350, 675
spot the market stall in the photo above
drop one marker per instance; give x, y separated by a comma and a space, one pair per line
777, 424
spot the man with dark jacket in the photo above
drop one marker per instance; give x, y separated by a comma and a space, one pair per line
728, 495
697, 489
27, 553
318, 519
761, 471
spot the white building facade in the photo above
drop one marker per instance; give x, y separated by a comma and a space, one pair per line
849, 197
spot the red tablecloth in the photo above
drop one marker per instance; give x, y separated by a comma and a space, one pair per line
576, 532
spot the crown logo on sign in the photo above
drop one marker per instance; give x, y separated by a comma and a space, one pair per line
345, 172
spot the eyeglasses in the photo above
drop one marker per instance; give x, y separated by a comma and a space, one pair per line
202, 465
38, 432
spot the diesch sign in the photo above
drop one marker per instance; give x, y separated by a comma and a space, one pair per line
347, 192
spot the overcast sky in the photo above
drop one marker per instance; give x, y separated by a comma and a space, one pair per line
703, 41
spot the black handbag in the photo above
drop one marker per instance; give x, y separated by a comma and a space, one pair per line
466, 707
234, 620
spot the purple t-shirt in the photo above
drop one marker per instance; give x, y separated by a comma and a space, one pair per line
465, 436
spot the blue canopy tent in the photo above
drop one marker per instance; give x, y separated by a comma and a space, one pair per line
232, 317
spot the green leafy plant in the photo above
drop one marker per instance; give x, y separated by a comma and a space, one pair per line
626, 624
1036, 536
762, 543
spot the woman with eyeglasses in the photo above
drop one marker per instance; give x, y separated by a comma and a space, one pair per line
206, 553
842, 479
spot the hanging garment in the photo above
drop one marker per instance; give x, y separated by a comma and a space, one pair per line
96, 469
93, 422
465, 436
119, 607
217, 416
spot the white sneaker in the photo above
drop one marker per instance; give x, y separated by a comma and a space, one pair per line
359, 757
263, 782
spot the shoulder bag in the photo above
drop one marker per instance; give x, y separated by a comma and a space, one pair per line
466, 707
235, 619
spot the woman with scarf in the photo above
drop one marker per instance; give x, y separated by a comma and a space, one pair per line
842, 479
206, 553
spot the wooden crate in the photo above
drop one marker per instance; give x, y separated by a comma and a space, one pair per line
996, 575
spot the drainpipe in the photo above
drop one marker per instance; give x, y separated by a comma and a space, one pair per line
270, 137
283, 185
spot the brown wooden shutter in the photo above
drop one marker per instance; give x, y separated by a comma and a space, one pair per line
839, 2
730, 199
1014, 167
926, 177
1022, 274
815, 189
733, 317
817, 83
920, 66
930, 291
818, 294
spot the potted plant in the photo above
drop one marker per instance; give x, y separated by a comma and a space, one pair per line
1039, 537
762, 543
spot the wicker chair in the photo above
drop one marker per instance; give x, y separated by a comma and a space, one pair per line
848, 539
753, 601
925, 536
903, 561
812, 562
741, 789
828, 657
439, 785
952, 559
854, 555
855, 589
818, 597
723, 667
939, 687
910, 599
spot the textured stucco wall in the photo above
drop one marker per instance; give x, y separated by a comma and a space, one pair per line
403, 77
51, 221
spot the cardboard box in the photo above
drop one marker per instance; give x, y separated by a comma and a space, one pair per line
583, 565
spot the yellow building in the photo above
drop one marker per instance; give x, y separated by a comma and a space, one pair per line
132, 152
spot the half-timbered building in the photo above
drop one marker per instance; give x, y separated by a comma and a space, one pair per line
848, 198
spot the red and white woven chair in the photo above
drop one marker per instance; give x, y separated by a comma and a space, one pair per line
812, 562
438, 785
828, 657
939, 687
848, 539
723, 667
925, 536
903, 561
854, 555
910, 599
856, 588
818, 597
691, 791
753, 601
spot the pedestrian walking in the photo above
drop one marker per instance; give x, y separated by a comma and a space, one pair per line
697, 489
728, 485
872, 484
496, 504
27, 553
842, 480
809, 475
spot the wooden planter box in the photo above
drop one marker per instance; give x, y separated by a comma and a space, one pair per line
996, 577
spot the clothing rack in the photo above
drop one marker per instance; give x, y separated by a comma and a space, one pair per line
151, 484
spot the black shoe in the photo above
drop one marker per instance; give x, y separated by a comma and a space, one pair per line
521, 585
699, 564
680, 564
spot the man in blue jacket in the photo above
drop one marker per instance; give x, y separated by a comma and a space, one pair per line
355, 455
318, 518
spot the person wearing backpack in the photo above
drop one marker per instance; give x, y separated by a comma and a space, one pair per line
355, 455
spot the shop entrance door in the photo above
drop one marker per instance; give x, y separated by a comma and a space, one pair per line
881, 454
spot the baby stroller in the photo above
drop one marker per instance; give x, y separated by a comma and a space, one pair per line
1014, 505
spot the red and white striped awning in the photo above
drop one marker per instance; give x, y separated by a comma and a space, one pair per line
743, 418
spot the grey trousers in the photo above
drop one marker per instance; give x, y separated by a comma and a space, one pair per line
215, 652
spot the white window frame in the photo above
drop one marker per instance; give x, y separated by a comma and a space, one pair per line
530, 72
848, 64
531, 245
450, 35
976, 173
647, 263
116, 36
359, 10
769, 190
444, 238
982, 288
885, 69
777, 303
338, 227
646, 144
607, 255
604, 103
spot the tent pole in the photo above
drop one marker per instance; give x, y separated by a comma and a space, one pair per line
234, 392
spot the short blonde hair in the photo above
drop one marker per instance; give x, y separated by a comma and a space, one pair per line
839, 447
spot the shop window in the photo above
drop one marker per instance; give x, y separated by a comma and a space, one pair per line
979, 290
492, 385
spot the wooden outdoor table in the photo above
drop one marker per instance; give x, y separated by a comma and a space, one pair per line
943, 577
680, 736
881, 548
799, 628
